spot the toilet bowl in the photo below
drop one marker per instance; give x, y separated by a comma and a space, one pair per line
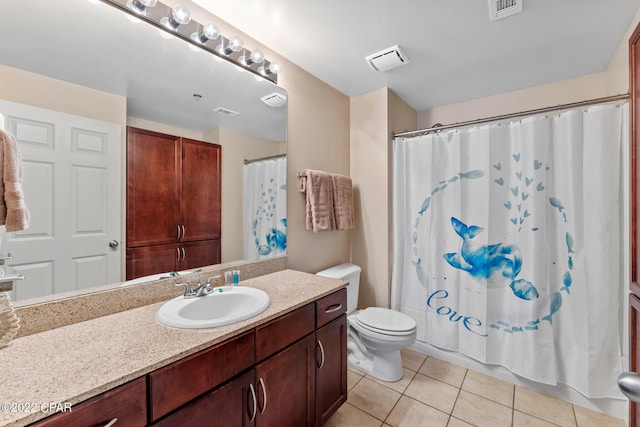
376, 335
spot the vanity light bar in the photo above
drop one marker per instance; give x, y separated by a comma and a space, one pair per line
157, 14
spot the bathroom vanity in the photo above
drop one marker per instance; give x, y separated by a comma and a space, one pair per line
286, 366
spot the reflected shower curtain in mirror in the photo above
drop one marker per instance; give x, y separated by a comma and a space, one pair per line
508, 247
265, 209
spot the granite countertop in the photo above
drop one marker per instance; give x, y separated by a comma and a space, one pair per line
70, 364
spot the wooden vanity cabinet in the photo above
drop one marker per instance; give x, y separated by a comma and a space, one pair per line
290, 371
126, 403
180, 382
331, 355
148, 260
173, 197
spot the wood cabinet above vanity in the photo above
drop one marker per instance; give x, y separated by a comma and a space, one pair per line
288, 367
173, 201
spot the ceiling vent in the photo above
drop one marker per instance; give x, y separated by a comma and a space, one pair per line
275, 100
387, 59
499, 9
225, 112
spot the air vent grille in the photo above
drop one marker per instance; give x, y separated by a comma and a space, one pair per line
387, 59
275, 100
226, 112
499, 9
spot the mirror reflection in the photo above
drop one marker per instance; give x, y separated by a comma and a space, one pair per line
70, 95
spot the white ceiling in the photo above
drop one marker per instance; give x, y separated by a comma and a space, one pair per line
456, 53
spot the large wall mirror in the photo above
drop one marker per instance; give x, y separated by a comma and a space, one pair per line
73, 75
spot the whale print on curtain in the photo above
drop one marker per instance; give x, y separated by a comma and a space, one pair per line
507, 244
265, 209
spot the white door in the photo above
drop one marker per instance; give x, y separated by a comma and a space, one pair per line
71, 182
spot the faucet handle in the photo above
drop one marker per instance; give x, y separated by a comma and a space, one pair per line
188, 290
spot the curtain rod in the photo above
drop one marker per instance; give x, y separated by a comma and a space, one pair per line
584, 103
277, 156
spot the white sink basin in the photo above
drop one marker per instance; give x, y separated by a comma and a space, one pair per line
224, 306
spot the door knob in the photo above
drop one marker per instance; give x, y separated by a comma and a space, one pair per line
629, 384
114, 244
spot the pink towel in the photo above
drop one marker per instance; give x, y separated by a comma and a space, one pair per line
342, 201
329, 200
13, 212
319, 189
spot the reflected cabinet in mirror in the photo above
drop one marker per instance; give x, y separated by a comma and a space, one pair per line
70, 90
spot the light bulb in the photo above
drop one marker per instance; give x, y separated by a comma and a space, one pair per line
257, 56
209, 32
140, 6
235, 44
180, 15
274, 67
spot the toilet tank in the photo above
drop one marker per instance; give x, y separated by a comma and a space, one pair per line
349, 273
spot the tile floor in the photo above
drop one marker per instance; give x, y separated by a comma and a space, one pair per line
440, 394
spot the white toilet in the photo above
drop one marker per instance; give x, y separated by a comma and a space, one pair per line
376, 334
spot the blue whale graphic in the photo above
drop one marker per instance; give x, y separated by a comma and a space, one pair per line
484, 261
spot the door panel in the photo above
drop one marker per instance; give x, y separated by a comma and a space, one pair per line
153, 188
201, 184
72, 186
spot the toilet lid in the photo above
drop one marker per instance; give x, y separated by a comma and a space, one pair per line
384, 319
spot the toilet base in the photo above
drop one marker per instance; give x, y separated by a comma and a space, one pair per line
386, 366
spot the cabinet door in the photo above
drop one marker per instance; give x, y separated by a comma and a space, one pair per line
199, 254
230, 405
153, 188
201, 200
127, 404
151, 260
285, 386
331, 368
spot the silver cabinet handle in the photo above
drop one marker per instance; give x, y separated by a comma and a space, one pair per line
264, 396
183, 253
255, 403
321, 354
112, 422
333, 308
629, 385
113, 244
184, 233
178, 238
178, 254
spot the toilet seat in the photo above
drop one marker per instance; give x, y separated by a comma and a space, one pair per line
385, 321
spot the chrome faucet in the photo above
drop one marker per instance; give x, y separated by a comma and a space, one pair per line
200, 289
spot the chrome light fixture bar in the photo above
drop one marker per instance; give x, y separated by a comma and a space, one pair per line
177, 21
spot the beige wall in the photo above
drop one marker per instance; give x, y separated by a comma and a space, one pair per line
44, 92
374, 117
317, 138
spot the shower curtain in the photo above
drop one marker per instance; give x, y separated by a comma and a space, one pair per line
508, 246
265, 209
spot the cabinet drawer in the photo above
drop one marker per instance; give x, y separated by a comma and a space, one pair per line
182, 381
331, 307
279, 333
127, 403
